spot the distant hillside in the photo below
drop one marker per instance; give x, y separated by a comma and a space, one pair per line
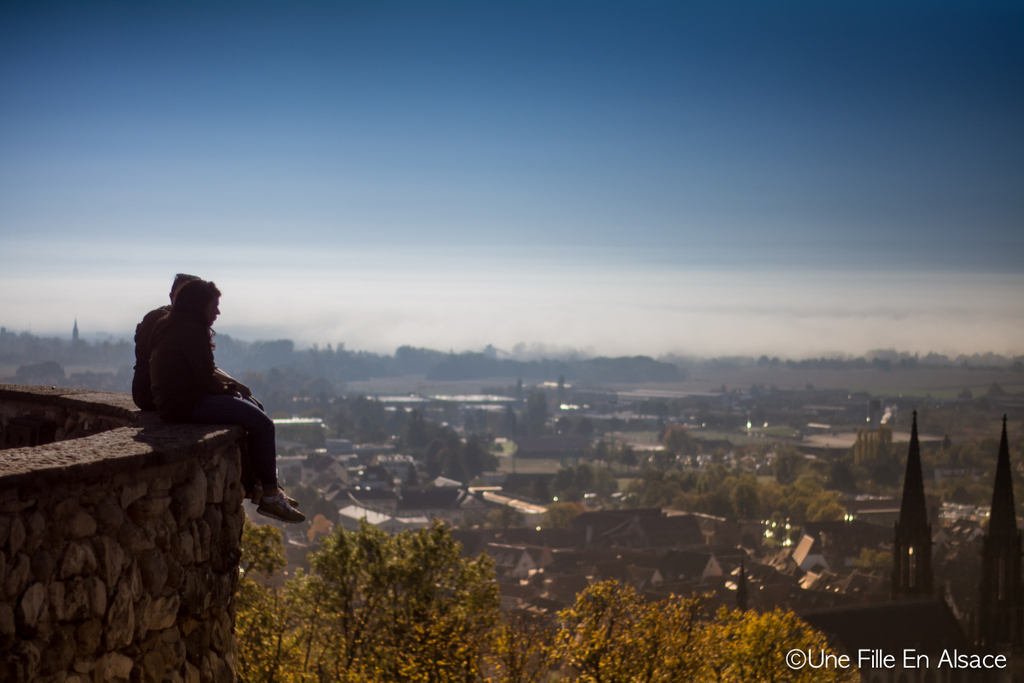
28, 359
636, 369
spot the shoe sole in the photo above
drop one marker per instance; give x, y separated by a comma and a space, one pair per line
281, 519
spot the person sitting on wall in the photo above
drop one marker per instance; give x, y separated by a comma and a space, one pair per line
188, 387
142, 390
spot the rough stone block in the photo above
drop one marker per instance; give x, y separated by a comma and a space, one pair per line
222, 671
132, 492
76, 600
18, 576
168, 520
137, 538
215, 481
175, 574
7, 627
112, 667
234, 522
64, 508
79, 525
153, 667
35, 527
143, 616
165, 612
60, 651
56, 591
154, 570
134, 577
191, 673
234, 494
186, 554
223, 589
220, 631
161, 534
173, 654
120, 623
201, 533
24, 660
88, 637
109, 515
79, 559
97, 595
42, 565
5, 529
190, 497
109, 558
33, 606
149, 507
206, 667
84, 665
15, 505
16, 538
214, 518
197, 593
197, 642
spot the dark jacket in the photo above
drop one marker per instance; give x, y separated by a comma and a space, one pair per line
142, 390
181, 368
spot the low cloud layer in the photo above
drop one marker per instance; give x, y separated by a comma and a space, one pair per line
380, 299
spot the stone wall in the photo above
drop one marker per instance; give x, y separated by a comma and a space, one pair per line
118, 550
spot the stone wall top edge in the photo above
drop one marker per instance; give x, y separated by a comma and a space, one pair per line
147, 444
99, 402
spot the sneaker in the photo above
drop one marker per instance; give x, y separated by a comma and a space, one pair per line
256, 495
279, 508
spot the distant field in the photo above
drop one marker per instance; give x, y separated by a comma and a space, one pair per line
418, 384
940, 383
735, 438
529, 465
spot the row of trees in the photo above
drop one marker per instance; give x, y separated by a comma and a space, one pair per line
409, 608
717, 490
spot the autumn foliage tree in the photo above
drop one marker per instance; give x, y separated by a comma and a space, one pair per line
612, 634
263, 625
374, 608
744, 647
408, 608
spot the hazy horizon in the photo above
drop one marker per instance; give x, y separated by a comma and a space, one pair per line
464, 303
705, 179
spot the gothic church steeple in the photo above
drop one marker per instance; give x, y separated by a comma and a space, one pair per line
1001, 607
912, 542
741, 588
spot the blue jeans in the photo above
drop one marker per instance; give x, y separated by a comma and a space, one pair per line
259, 428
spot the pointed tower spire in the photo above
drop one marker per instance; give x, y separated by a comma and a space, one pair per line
74, 331
1003, 518
741, 588
912, 542
1001, 604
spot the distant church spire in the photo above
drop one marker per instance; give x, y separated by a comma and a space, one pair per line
74, 332
741, 588
912, 542
1001, 607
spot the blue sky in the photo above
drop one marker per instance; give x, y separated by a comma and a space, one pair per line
788, 178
